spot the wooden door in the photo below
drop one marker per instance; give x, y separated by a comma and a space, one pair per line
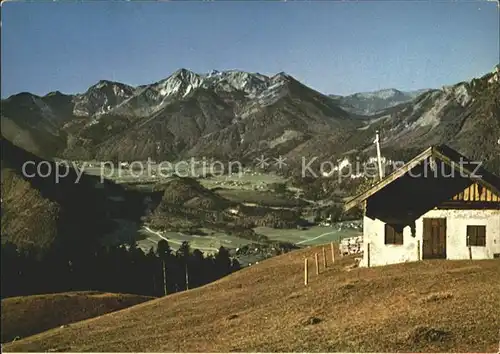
434, 239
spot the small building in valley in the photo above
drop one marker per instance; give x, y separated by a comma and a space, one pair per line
439, 205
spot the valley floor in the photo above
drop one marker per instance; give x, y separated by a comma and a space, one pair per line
209, 244
429, 306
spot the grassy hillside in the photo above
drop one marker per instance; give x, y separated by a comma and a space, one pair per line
425, 306
27, 315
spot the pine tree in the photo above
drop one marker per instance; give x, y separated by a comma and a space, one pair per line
223, 262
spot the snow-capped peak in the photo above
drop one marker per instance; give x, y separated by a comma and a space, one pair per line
107, 83
183, 82
106, 96
214, 73
180, 82
230, 80
101, 98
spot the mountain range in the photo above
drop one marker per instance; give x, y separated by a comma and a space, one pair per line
240, 115
369, 103
226, 115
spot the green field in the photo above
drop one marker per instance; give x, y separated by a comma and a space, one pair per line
213, 240
263, 198
207, 243
314, 235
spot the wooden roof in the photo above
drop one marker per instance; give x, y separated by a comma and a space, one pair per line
443, 153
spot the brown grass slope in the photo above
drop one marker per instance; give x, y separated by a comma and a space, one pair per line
27, 315
425, 306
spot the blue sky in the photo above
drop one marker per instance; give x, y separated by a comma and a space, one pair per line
334, 47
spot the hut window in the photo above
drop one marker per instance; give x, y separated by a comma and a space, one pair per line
476, 235
393, 235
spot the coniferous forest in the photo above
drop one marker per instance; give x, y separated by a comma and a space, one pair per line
116, 269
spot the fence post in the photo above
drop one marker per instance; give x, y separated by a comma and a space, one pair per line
164, 279
418, 250
333, 252
317, 263
368, 254
324, 258
306, 272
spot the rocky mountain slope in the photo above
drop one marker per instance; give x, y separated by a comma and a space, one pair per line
240, 115
220, 114
465, 116
368, 103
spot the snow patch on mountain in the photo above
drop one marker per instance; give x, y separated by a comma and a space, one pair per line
250, 83
181, 82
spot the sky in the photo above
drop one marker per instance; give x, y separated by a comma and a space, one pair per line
333, 47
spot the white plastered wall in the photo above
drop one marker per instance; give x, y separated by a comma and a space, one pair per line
456, 238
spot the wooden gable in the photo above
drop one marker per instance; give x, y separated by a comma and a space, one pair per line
476, 193
475, 196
